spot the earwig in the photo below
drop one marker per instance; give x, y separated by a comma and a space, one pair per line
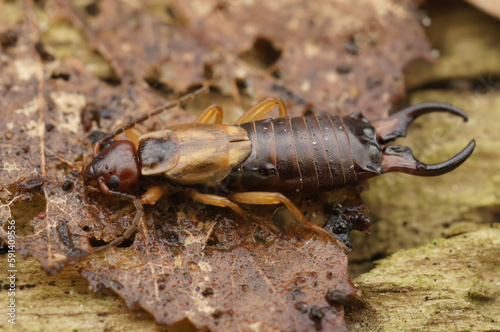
260, 161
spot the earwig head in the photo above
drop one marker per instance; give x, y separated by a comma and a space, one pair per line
401, 159
116, 167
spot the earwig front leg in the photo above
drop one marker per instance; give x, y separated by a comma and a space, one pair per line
152, 195
270, 198
208, 115
261, 109
133, 135
216, 201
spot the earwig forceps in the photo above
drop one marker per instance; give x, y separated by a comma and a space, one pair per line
400, 158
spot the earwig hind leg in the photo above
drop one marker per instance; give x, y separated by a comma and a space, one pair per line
261, 109
216, 201
211, 113
225, 202
270, 198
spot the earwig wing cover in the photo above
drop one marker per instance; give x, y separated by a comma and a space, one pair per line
158, 152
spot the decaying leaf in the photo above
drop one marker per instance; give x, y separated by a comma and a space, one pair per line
228, 274
335, 57
329, 56
204, 264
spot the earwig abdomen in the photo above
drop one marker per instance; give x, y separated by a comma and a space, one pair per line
307, 154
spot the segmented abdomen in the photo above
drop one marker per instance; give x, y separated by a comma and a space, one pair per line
302, 154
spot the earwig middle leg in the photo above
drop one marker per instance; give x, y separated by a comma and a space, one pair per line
270, 198
216, 201
208, 115
261, 109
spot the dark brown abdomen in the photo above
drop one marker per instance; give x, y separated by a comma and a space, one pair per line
298, 154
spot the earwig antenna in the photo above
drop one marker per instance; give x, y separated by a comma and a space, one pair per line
125, 235
184, 99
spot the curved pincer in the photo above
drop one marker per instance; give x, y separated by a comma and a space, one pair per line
401, 159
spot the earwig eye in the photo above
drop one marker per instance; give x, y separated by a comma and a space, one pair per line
114, 182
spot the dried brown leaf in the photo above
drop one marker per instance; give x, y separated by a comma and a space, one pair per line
216, 274
330, 56
334, 56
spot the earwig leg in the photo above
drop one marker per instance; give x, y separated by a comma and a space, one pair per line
261, 109
216, 201
208, 115
152, 195
269, 198
224, 202
133, 135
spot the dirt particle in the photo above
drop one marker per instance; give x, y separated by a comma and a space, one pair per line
46, 56
68, 185
316, 314
301, 306
8, 39
343, 69
336, 297
208, 292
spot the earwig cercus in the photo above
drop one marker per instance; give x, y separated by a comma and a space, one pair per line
401, 159
259, 161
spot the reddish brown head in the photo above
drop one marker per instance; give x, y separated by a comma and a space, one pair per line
116, 167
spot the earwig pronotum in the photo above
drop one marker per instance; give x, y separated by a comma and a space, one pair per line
260, 161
